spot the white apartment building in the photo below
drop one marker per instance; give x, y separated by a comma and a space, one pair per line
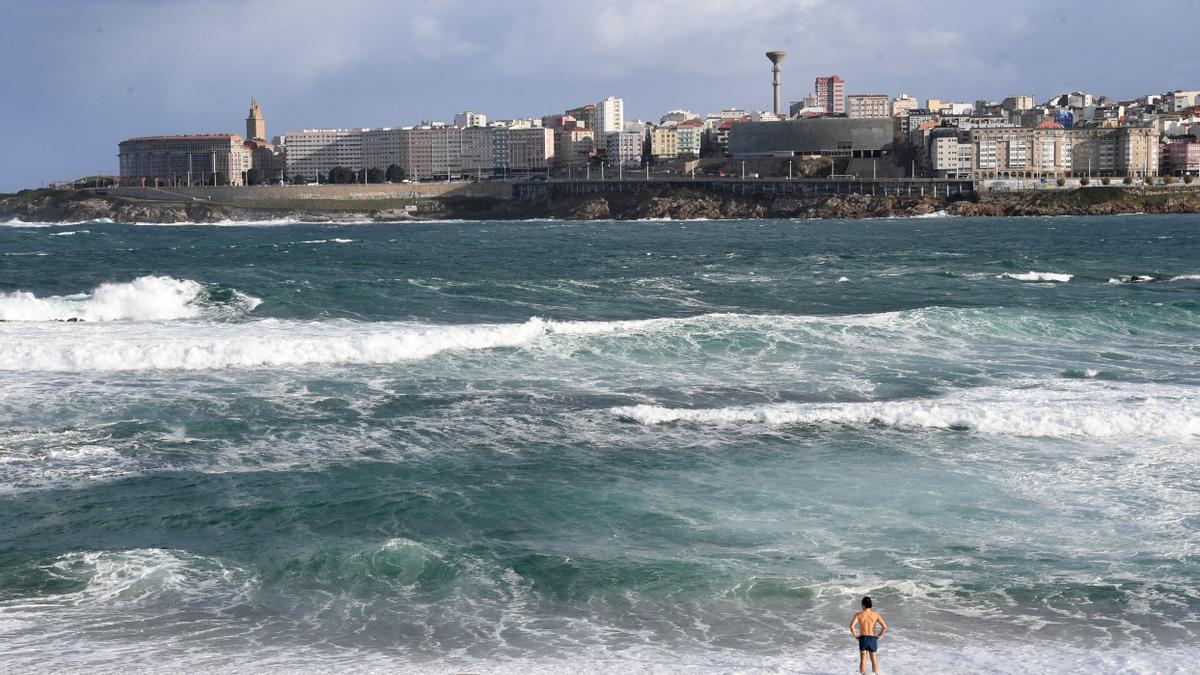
467, 119
1182, 100
314, 152
610, 117
951, 154
688, 137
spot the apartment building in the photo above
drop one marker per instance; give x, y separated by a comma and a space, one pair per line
202, 159
384, 147
831, 94
951, 153
470, 118
573, 146
610, 117
1177, 101
1050, 151
868, 105
625, 149
664, 143
314, 152
689, 136
530, 150
585, 115
1181, 157
1017, 103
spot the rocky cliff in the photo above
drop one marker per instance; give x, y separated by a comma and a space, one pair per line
60, 206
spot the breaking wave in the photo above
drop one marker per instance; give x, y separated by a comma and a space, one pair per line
149, 298
279, 343
1037, 276
1084, 411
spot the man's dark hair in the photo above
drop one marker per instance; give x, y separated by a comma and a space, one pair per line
867, 602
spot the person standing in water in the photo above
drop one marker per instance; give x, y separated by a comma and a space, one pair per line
868, 640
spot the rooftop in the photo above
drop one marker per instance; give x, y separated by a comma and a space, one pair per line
186, 137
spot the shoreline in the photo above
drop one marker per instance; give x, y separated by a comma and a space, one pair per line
74, 207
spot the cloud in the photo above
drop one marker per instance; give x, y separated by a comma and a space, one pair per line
683, 36
81, 74
179, 48
432, 40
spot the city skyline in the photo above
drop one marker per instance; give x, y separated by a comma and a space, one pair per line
112, 75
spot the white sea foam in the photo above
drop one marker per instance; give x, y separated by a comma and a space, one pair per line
1037, 276
108, 581
1092, 410
17, 222
69, 233
1186, 277
149, 298
273, 343
84, 347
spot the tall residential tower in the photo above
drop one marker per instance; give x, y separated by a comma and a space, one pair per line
831, 94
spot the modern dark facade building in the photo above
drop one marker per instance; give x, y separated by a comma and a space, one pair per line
826, 136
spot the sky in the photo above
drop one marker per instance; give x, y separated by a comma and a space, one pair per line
78, 76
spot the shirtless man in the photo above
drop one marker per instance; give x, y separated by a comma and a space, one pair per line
868, 641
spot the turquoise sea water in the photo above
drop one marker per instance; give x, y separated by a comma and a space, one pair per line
649, 446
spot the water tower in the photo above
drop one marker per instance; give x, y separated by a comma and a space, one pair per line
776, 58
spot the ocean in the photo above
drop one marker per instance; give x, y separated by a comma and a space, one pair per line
601, 446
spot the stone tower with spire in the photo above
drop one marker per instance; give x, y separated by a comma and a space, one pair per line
256, 127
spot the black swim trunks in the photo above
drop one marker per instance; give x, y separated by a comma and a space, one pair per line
868, 643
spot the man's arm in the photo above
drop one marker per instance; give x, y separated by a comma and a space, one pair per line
852, 622
883, 625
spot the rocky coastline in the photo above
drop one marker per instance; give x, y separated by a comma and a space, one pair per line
74, 207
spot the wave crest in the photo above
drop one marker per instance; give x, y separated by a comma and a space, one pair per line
1037, 276
1079, 412
148, 298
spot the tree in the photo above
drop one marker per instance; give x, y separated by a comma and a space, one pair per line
341, 175
254, 177
298, 179
1189, 178
219, 178
376, 176
1128, 180
394, 174
1085, 181
1106, 180
1061, 181
1167, 180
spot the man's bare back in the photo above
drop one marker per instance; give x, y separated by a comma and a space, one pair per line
866, 620
868, 640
